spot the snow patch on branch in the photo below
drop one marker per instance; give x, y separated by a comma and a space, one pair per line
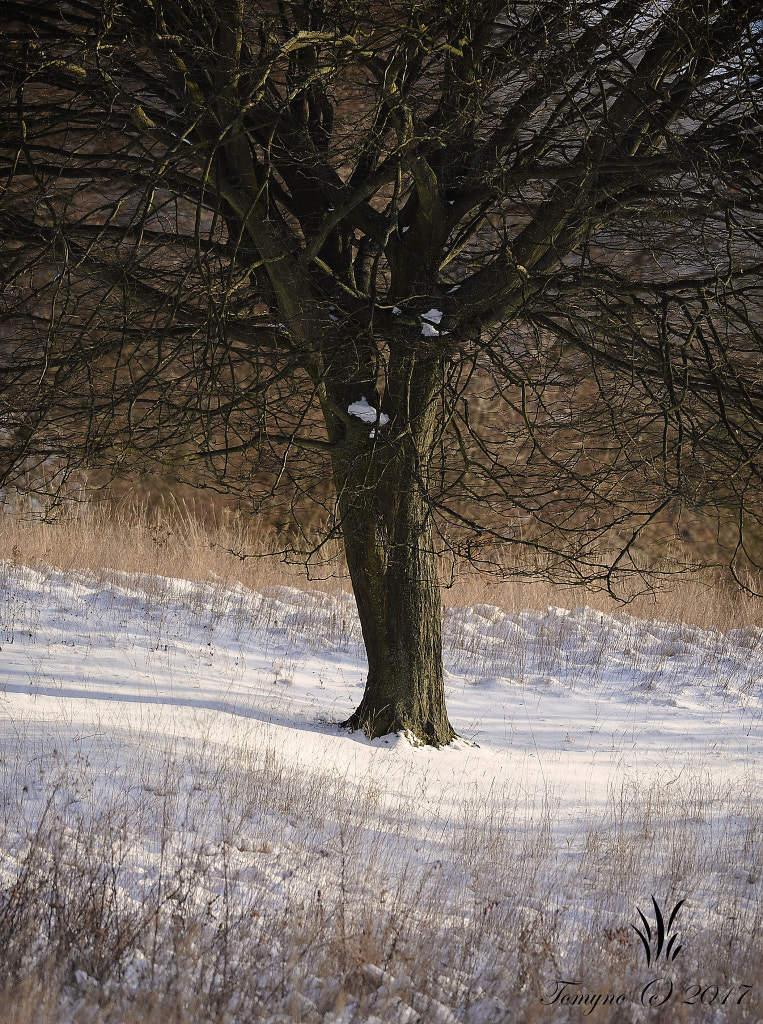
431, 319
433, 315
365, 412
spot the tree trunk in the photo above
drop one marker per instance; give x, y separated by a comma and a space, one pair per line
386, 522
398, 597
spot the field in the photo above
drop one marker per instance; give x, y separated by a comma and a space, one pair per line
186, 835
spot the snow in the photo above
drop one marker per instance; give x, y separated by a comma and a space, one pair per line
566, 701
431, 318
435, 315
562, 715
365, 412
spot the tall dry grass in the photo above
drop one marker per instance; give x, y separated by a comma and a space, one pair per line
227, 548
170, 539
705, 598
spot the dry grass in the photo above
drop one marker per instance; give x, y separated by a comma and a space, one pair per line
172, 540
169, 540
703, 598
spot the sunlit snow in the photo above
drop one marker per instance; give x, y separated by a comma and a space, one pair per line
566, 701
574, 725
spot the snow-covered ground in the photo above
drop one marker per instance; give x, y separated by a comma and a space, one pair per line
604, 760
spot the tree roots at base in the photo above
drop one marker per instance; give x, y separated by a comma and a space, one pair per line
386, 722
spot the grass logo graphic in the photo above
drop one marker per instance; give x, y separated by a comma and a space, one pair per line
655, 940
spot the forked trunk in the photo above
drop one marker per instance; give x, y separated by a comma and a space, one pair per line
393, 567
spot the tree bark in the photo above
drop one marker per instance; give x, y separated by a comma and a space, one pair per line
387, 530
397, 590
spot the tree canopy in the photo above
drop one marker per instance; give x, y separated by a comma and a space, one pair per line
495, 269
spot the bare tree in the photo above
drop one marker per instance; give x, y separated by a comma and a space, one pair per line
493, 268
